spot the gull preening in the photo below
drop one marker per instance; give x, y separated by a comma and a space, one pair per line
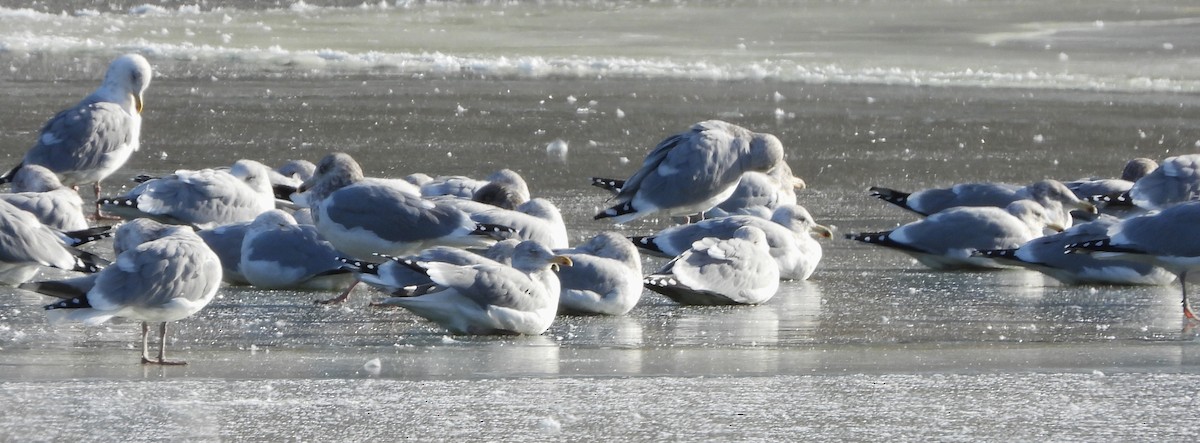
86, 143
691, 172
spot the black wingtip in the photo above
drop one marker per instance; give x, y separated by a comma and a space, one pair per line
616, 211
498, 232
608, 184
359, 266
1122, 199
85, 236
1101, 245
69, 303
646, 242
890, 195
7, 177
283, 192
117, 201
1007, 254
87, 262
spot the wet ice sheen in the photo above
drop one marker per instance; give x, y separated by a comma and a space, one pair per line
873, 347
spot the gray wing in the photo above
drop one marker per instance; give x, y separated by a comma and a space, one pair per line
61, 209
393, 274
677, 239
1176, 180
155, 273
931, 201
1164, 233
78, 138
393, 215
650, 164
755, 189
490, 285
203, 198
697, 169
594, 274
730, 268
963, 229
296, 247
1085, 189
25, 240
226, 242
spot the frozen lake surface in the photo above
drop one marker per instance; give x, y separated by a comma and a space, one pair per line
874, 347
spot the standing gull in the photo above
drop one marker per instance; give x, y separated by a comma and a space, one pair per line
170, 276
690, 172
948, 239
1168, 239
490, 298
734, 271
88, 142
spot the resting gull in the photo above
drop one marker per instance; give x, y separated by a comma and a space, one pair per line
38, 191
1058, 200
1045, 255
203, 199
947, 239
789, 234
277, 253
26, 244
489, 298
734, 271
605, 276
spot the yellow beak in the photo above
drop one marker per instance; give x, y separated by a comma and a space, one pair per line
821, 231
560, 260
137, 102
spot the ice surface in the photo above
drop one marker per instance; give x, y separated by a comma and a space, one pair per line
873, 347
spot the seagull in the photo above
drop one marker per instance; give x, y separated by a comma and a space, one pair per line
947, 239
28, 244
690, 172
170, 276
89, 141
1045, 255
734, 271
1166, 238
396, 275
38, 191
504, 188
277, 253
226, 241
760, 193
203, 199
361, 217
605, 276
1175, 181
1113, 192
789, 234
536, 219
489, 298
1058, 200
